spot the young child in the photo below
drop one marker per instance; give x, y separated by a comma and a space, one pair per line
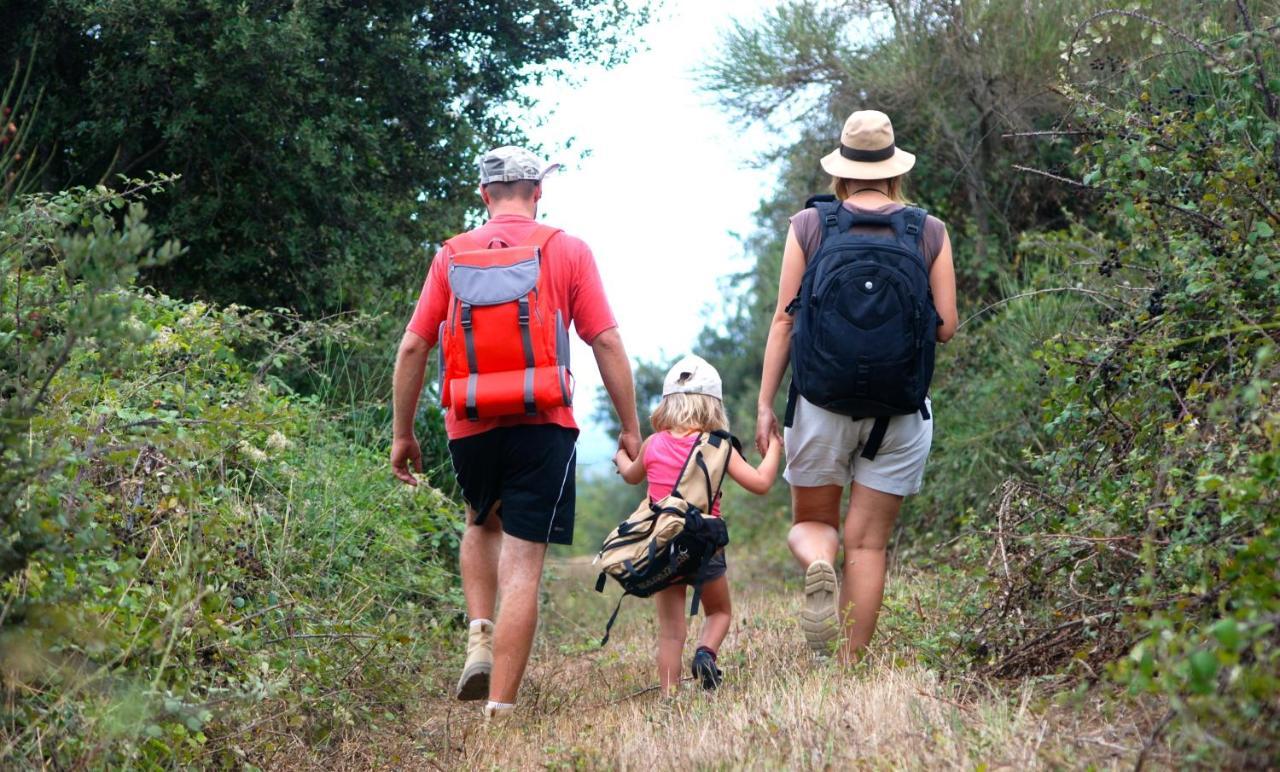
692, 403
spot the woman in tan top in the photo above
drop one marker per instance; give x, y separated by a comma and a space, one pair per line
823, 448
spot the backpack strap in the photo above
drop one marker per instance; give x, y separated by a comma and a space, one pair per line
542, 235
830, 212
913, 219
684, 469
793, 395
467, 241
612, 618
463, 242
709, 444
876, 437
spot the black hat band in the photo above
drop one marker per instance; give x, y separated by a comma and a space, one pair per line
868, 156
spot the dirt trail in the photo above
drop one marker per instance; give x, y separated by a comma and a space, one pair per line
583, 707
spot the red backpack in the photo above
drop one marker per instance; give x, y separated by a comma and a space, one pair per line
504, 347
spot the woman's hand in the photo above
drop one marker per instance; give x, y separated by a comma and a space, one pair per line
766, 428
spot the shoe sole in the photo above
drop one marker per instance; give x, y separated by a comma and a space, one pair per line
474, 684
818, 618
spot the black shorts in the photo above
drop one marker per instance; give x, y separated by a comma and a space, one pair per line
714, 568
530, 470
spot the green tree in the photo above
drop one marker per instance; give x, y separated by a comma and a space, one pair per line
320, 144
970, 89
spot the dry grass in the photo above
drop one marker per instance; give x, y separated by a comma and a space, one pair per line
778, 708
589, 708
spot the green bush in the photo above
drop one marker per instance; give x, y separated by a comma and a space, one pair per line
1141, 543
200, 565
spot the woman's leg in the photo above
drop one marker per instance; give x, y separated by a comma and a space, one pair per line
815, 533
867, 529
719, 611
814, 540
671, 635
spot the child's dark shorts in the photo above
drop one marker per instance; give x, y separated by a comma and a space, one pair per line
712, 569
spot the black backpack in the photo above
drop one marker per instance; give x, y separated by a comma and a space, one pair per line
668, 541
865, 325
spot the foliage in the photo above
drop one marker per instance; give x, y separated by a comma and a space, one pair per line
320, 144
1145, 534
987, 395
964, 107
1133, 229
965, 83
199, 566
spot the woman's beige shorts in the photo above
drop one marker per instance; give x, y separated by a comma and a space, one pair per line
824, 448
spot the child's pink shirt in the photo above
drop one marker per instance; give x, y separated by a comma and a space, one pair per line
664, 457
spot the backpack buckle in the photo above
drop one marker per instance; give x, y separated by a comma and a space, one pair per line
913, 223
466, 316
524, 312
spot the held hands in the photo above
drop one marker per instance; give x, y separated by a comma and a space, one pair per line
405, 452
620, 459
629, 443
766, 429
775, 442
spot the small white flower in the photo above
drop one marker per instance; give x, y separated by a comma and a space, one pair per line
254, 454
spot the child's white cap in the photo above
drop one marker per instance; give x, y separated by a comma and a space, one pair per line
692, 375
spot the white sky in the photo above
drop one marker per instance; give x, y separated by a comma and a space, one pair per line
664, 187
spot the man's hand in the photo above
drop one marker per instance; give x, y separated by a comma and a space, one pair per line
629, 442
405, 452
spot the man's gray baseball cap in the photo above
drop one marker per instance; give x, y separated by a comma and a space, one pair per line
510, 163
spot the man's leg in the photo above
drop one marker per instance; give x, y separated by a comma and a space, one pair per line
520, 577
481, 545
478, 559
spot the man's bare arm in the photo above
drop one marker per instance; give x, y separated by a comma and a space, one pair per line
615, 371
411, 366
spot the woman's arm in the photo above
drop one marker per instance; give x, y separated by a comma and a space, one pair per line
631, 469
777, 349
942, 281
757, 480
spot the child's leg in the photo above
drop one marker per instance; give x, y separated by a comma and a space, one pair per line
671, 635
719, 611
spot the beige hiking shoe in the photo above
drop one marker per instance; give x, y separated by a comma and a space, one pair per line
819, 617
474, 684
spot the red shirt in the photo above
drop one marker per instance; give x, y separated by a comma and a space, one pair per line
574, 286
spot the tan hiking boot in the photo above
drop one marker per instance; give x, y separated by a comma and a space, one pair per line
819, 618
474, 684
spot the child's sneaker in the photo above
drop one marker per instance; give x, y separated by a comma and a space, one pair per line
819, 617
474, 684
704, 668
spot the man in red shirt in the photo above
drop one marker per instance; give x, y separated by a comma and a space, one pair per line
516, 472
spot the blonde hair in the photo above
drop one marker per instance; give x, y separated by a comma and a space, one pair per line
689, 412
844, 187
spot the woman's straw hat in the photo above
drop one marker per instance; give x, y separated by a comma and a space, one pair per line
867, 151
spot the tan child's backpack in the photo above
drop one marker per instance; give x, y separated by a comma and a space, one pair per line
667, 541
